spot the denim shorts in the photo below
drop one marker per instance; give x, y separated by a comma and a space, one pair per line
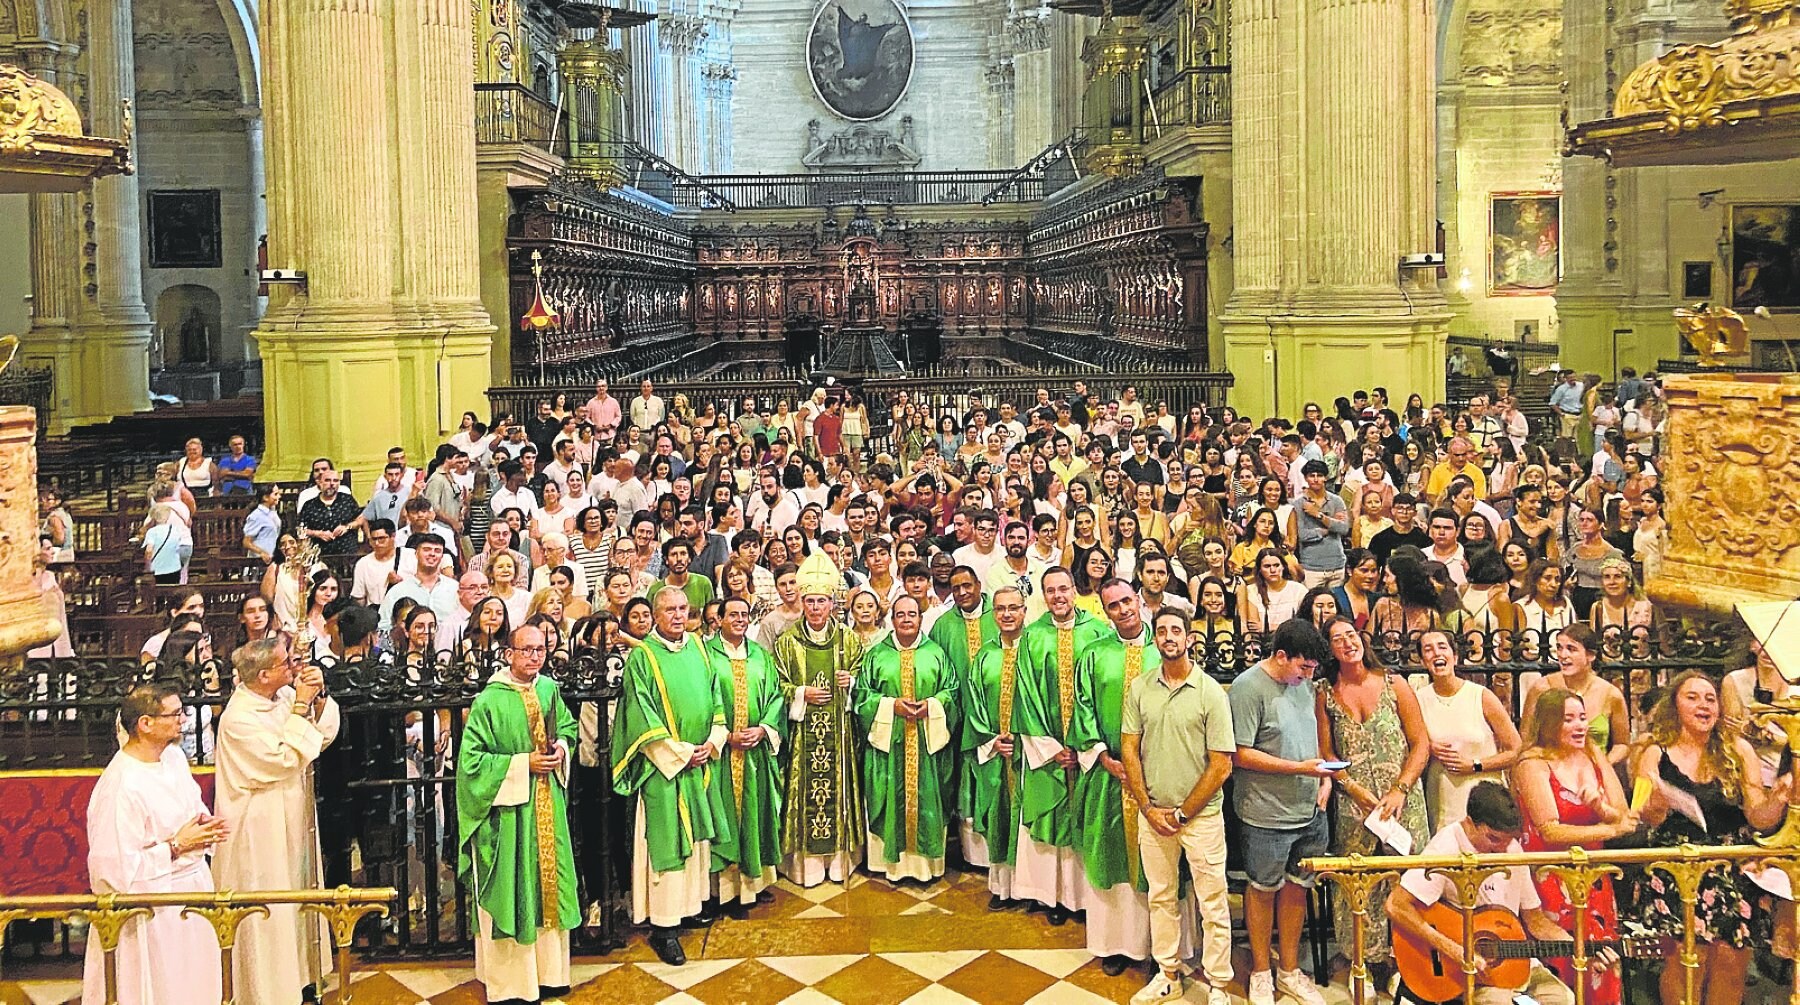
1272, 857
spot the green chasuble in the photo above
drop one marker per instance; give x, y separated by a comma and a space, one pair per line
750, 689
822, 806
908, 785
1109, 818
961, 639
1047, 696
503, 852
672, 694
990, 696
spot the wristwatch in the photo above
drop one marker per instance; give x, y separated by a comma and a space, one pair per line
1180, 817
1478, 767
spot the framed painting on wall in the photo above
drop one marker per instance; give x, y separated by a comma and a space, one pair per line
1524, 243
1696, 280
1765, 257
184, 229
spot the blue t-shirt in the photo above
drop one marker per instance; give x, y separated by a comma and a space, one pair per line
1280, 720
241, 467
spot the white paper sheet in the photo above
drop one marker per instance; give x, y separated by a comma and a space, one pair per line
1773, 880
1391, 832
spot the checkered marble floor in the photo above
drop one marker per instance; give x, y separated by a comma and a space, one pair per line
864, 942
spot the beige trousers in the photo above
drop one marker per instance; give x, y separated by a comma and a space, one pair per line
1203, 842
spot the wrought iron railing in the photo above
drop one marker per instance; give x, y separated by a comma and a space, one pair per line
388, 783
386, 786
31, 386
512, 113
911, 188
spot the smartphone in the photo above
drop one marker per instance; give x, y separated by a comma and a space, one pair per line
1334, 765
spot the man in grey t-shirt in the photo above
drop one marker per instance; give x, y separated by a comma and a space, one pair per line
1280, 788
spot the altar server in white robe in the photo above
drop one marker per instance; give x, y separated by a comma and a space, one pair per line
149, 832
272, 730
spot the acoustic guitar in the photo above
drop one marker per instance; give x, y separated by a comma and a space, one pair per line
1501, 940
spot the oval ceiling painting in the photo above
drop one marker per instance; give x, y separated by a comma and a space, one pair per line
860, 56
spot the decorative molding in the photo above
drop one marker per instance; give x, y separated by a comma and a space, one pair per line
1029, 30
861, 147
681, 33
1507, 45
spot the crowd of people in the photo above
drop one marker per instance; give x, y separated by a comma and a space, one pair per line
892, 636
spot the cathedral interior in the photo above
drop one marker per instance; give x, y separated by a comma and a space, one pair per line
1261, 189
340, 225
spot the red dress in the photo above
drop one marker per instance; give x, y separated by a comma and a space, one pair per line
1603, 916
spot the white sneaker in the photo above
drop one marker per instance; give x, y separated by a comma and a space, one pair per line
1262, 987
1162, 988
1218, 996
1296, 985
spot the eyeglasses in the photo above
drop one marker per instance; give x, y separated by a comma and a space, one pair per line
530, 650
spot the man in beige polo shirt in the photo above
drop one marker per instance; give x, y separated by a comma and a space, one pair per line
1178, 742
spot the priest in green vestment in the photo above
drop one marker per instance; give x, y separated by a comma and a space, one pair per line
1048, 868
669, 731
1118, 908
906, 704
513, 847
822, 829
990, 697
961, 631
749, 771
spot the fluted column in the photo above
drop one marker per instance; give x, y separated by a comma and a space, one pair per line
89, 323
1332, 125
371, 178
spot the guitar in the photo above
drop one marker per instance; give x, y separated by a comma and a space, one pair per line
1501, 940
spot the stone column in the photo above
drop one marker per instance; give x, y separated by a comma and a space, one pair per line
388, 336
1028, 35
89, 323
1589, 295
1333, 183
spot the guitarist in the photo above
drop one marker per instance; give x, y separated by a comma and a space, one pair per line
1493, 826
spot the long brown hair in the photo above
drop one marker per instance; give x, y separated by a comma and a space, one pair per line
1547, 722
1720, 755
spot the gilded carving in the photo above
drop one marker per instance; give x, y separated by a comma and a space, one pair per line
1715, 332
1692, 87
30, 108
1732, 478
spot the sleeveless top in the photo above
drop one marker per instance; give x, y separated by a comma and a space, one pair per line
1456, 720
201, 480
1725, 820
1535, 543
1570, 809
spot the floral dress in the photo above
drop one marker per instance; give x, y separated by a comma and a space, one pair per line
1376, 749
1731, 909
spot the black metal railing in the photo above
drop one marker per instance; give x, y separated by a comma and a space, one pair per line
910, 188
512, 113
387, 785
34, 387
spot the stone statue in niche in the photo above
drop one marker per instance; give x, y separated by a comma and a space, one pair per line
194, 337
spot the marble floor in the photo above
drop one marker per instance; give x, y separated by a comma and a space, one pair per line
867, 942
